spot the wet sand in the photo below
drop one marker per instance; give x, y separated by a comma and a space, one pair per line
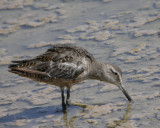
121, 32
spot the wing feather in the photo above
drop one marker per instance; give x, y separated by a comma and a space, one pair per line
66, 70
61, 61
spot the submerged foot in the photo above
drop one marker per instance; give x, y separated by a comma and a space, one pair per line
64, 107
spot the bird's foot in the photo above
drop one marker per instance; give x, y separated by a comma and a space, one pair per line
64, 107
64, 110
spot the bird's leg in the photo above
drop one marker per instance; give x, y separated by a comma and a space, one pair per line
68, 102
63, 99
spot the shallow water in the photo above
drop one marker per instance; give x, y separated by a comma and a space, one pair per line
121, 32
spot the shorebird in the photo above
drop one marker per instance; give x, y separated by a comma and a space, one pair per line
66, 65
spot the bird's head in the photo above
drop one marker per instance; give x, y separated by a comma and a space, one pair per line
113, 74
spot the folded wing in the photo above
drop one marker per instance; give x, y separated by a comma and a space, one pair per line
61, 61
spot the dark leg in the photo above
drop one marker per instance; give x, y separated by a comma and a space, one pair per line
68, 93
63, 98
68, 102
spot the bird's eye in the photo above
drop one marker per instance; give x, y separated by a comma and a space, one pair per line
115, 73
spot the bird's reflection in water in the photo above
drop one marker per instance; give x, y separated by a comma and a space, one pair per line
124, 119
69, 123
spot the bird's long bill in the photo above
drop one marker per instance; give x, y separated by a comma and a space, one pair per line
125, 92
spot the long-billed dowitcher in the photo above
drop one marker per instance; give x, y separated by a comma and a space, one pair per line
66, 65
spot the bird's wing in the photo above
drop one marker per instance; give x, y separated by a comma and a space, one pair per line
65, 64
66, 70
59, 62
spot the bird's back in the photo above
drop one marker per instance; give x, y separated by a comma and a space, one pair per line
59, 65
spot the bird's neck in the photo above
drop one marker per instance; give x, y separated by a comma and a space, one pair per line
96, 71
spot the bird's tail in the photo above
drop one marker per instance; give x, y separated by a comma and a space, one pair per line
22, 69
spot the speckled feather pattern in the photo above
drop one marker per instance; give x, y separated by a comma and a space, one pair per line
61, 65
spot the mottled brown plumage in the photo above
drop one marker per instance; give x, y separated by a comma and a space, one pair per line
66, 65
